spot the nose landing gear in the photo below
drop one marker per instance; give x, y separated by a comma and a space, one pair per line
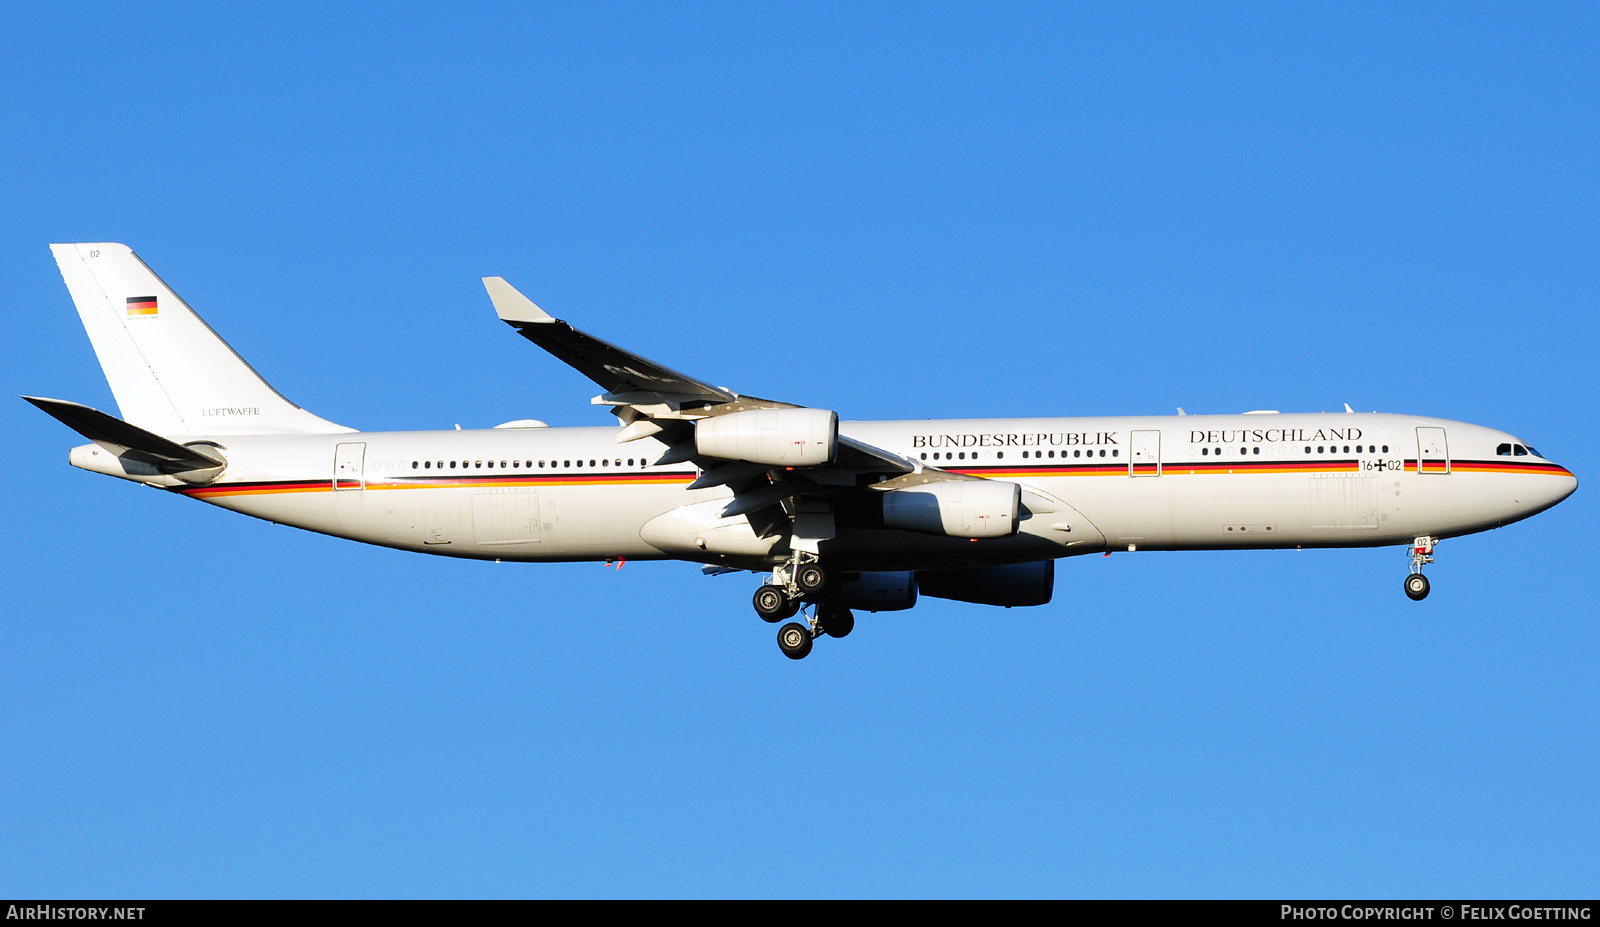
1421, 552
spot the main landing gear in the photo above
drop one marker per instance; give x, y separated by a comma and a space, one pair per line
1421, 552
803, 580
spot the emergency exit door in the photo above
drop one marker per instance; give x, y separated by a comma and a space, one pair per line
348, 466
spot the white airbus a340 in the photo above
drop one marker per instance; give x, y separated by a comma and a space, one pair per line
842, 515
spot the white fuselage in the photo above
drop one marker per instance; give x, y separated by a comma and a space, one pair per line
1090, 484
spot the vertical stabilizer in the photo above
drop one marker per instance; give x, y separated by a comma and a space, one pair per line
170, 373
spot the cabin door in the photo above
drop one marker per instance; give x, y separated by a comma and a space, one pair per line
1144, 454
348, 462
1433, 454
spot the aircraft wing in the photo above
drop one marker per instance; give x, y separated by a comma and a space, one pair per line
655, 400
619, 372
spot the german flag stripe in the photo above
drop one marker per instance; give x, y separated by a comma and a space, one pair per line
525, 480
141, 305
1173, 468
1495, 466
278, 487
1197, 468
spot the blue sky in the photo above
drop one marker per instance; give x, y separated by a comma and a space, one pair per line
895, 211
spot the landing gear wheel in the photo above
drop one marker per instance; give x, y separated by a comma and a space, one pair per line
794, 639
773, 604
835, 620
1417, 587
811, 578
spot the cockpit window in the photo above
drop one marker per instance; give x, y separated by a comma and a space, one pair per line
1503, 450
1534, 452
1519, 450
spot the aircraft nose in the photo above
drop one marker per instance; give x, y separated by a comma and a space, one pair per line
1566, 484
1558, 486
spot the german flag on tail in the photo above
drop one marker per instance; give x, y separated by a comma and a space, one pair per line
141, 305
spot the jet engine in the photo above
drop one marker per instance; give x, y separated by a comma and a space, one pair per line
958, 509
1010, 585
778, 437
880, 592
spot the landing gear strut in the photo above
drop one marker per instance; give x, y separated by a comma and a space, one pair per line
802, 579
1421, 553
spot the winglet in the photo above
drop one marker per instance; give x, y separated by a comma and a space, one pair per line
512, 306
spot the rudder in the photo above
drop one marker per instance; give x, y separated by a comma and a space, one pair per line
170, 373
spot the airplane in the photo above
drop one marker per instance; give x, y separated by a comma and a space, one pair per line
839, 516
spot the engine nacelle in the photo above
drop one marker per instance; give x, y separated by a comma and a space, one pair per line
880, 592
779, 437
958, 509
1010, 585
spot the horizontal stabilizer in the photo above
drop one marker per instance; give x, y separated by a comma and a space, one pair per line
124, 440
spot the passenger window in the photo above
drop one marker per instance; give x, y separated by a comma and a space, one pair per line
1308, 449
452, 465
1052, 454
999, 455
566, 463
1204, 451
1256, 450
1113, 452
491, 465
